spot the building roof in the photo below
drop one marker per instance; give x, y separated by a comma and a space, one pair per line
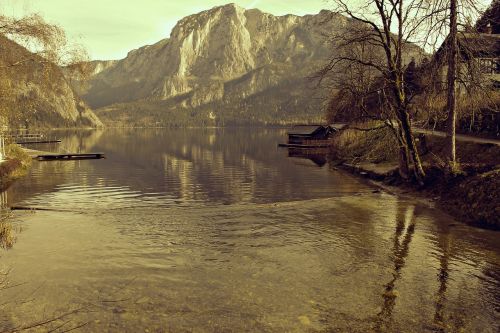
482, 41
307, 129
472, 45
480, 44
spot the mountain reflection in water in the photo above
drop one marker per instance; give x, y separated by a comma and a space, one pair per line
218, 230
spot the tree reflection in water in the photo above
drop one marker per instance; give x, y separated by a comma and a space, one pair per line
405, 228
442, 322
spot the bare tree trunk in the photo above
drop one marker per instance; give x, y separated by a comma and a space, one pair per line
404, 157
451, 78
406, 130
412, 146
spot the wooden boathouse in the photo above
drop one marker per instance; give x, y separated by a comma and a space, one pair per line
309, 136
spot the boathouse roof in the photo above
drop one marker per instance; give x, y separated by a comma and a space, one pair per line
308, 129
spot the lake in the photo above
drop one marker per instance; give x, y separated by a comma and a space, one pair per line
218, 230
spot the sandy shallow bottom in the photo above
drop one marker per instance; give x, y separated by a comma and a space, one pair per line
357, 263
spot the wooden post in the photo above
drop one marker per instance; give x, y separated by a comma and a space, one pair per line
2, 148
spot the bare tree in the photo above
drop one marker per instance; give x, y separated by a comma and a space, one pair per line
390, 27
449, 25
46, 42
452, 25
46, 47
391, 30
452, 77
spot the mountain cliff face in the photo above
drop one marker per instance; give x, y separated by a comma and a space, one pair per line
221, 66
34, 93
225, 64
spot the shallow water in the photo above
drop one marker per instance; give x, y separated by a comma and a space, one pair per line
218, 230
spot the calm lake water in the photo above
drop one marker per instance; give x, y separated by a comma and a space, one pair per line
218, 230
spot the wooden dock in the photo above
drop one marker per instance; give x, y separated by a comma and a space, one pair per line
30, 136
305, 146
70, 157
35, 142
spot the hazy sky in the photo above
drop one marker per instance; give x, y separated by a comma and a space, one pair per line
111, 28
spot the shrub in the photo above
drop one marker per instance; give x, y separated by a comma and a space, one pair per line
15, 167
375, 146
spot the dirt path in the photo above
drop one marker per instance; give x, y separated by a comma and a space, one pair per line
460, 137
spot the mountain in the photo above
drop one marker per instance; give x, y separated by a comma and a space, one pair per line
226, 65
35, 93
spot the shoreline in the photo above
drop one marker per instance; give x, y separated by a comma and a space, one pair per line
377, 181
15, 167
471, 195
463, 207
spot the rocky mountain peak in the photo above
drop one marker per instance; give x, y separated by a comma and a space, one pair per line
223, 57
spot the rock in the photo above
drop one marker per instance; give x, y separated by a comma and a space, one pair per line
119, 310
143, 300
304, 320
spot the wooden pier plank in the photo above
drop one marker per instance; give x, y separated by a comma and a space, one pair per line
34, 142
296, 145
70, 156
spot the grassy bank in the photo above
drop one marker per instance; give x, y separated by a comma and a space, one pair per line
7, 237
472, 196
16, 166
